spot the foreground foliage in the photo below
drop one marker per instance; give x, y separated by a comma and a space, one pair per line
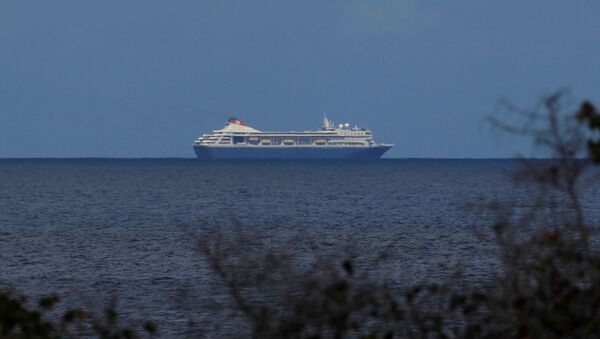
20, 320
549, 285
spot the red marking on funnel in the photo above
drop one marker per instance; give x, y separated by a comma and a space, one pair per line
236, 122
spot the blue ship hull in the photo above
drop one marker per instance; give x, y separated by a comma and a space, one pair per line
215, 153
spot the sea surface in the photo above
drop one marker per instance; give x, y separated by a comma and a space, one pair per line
125, 231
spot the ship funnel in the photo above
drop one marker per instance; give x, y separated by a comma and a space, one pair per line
236, 121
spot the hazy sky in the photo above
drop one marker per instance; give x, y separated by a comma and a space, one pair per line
126, 78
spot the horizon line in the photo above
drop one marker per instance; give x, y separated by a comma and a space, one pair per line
193, 158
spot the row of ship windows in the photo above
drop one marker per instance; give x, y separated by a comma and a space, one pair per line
281, 140
243, 133
251, 138
331, 132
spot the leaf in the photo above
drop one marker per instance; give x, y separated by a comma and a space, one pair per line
49, 301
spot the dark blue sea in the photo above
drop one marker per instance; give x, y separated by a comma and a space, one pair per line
124, 231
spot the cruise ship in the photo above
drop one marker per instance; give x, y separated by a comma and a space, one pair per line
237, 140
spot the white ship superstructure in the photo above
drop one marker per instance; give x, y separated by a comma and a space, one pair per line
238, 140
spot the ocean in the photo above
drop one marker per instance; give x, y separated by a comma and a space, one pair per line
124, 231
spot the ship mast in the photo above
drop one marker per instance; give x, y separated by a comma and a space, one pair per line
326, 122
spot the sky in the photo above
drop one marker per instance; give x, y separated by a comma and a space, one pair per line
104, 78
